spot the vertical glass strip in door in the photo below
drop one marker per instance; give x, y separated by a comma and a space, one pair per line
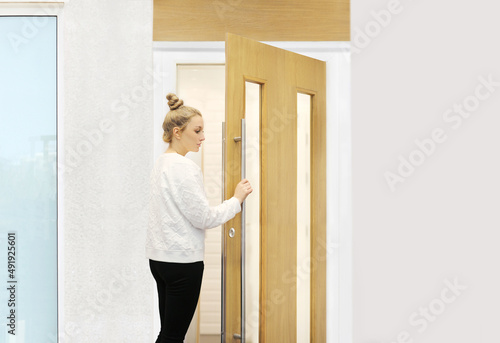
252, 217
303, 217
28, 178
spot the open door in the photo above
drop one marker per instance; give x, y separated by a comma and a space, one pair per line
281, 77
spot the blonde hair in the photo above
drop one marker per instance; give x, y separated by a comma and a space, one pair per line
178, 116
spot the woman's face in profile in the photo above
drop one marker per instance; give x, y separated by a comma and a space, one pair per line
193, 134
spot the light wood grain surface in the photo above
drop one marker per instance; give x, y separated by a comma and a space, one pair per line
264, 20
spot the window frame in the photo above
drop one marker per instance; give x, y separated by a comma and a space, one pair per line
16, 8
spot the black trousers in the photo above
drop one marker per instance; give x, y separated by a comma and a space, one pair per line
178, 292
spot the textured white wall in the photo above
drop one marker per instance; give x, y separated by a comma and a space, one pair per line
108, 290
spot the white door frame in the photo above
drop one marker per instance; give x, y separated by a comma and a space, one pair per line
166, 56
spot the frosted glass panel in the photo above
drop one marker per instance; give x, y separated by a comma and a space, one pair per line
28, 179
252, 216
303, 217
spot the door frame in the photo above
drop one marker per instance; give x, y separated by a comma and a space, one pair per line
166, 56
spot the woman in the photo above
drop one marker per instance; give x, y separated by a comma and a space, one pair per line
179, 214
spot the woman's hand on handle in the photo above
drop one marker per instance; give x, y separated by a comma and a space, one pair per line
243, 189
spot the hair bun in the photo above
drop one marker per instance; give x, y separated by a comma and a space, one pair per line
173, 101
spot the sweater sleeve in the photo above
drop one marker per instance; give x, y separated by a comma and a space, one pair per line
193, 203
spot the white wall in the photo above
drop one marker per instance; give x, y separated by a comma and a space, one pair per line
108, 290
442, 223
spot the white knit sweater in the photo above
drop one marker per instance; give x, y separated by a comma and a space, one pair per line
179, 211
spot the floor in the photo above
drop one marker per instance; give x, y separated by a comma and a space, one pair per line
210, 339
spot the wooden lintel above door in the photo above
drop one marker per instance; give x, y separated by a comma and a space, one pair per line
291, 20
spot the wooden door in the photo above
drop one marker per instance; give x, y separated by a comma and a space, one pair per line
281, 75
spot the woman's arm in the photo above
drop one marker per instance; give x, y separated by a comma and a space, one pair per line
193, 203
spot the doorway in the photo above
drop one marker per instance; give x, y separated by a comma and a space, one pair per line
170, 59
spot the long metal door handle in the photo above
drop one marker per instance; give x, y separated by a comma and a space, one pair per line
240, 336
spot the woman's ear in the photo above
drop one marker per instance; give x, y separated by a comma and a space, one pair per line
176, 132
